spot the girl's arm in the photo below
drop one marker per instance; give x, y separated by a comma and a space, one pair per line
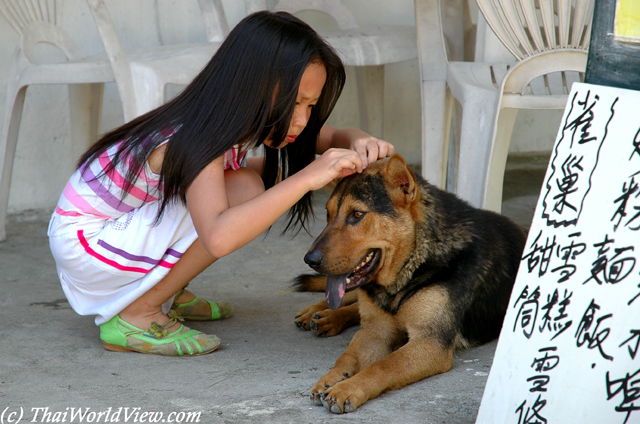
368, 148
223, 229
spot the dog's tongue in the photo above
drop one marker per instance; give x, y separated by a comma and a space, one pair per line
334, 292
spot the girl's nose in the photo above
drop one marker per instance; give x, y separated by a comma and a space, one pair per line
299, 118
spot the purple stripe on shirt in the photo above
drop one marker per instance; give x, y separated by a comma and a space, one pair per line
173, 253
101, 191
137, 258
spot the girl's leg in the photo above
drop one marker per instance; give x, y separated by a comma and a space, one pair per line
242, 185
255, 163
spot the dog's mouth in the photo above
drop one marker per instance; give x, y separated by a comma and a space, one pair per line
338, 285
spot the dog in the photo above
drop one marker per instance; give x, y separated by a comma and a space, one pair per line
423, 272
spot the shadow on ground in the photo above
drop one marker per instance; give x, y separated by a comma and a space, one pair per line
52, 358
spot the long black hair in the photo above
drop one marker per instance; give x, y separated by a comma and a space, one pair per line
246, 93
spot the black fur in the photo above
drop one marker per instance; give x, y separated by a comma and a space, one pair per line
433, 274
478, 275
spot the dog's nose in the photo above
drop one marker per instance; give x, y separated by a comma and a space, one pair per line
313, 259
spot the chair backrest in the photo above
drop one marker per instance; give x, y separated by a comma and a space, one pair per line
528, 27
117, 57
215, 20
335, 8
549, 39
37, 22
216, 27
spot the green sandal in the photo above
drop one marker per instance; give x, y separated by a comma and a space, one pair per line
201, 310
120, 336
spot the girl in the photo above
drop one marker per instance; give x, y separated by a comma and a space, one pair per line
155, 202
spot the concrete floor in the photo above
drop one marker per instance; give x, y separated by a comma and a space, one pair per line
50, 357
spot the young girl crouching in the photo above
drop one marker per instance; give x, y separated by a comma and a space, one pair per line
155, 202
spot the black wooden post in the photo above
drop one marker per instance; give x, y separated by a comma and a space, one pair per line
611, 62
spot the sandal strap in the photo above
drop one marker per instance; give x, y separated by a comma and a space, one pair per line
156, 330
184, 305
174, 315
200, 309
180, 293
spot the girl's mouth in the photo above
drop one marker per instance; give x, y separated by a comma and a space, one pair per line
290, 138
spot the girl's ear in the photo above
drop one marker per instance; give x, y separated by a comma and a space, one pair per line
401, 180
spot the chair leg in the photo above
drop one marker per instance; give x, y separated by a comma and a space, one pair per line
8, 140
85, 113
478, 117
148, 92
437, 106
370, 83
498, 160
454, 147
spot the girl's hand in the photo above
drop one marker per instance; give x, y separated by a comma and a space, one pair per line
334, 163
370, 149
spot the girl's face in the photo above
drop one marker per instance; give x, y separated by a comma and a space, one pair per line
309, 92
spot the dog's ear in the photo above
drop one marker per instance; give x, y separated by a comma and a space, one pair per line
401, 180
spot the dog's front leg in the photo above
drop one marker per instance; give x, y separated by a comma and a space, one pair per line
427, 319
414, 361
375, 339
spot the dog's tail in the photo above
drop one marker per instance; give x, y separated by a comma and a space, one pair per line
310, 283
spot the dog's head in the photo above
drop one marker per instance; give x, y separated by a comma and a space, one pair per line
370, 229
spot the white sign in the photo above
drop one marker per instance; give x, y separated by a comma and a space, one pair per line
569, 347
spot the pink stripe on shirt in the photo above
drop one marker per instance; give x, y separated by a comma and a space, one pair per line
120, 181
79, 202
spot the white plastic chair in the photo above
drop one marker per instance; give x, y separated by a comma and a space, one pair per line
142, 74
549, 41
367, 49
444, 31
37, 22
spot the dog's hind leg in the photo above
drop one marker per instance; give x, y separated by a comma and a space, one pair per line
327, 322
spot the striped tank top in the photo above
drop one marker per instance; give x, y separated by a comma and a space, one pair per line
93, 191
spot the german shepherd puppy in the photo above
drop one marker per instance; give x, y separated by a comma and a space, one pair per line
432, 274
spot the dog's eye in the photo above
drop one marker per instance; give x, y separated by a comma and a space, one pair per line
355, 216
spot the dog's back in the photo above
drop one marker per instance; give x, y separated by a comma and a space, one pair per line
480, 274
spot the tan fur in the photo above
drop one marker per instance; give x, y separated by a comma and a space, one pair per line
327, 322
373, 363
408, 324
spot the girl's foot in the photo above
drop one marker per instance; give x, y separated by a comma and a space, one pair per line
184, 296
120, 336
145, 318
190, 307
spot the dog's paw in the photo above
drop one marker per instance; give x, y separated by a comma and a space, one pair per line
319, 390
304, 316
344, 396
326, 323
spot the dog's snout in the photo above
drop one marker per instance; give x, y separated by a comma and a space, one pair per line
313, 258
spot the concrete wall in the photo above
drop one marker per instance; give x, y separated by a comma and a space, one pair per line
44, 158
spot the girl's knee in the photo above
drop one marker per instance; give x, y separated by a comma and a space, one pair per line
242, 184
